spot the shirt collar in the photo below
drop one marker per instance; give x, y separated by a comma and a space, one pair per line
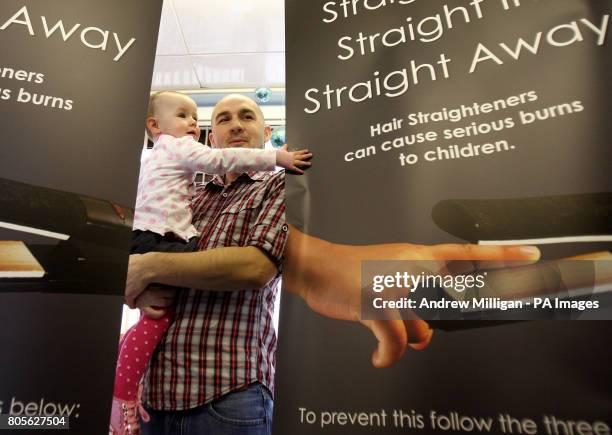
252, 175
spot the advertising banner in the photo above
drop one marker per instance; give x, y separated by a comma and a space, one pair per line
453, 122
74, 83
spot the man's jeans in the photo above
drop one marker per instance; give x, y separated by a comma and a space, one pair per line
245, 412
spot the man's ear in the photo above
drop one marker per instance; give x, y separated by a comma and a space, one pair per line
211, 140
153, 126
267, 133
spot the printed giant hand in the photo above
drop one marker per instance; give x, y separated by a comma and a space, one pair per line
328, 277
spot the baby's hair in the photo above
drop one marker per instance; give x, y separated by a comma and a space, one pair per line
153, 103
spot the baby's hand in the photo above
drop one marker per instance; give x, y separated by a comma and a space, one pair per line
155, 299
153, 312
293, 161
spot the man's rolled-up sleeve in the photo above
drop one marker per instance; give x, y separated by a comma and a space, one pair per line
269, 232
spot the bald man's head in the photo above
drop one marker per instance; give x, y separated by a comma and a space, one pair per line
237, 121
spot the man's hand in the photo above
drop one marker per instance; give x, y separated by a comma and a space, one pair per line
138, 278
328, 277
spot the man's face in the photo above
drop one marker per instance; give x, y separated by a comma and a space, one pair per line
237, 121
177, 115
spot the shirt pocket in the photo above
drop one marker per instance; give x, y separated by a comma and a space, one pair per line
239, 218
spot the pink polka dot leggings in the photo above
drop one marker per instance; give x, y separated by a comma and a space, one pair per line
135, 350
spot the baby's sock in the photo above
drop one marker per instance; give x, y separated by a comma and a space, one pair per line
135, 352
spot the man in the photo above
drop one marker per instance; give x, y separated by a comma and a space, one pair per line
214, 371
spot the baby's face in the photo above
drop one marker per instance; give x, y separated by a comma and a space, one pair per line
177, 115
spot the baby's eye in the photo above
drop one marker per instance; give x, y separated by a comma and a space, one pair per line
182, 115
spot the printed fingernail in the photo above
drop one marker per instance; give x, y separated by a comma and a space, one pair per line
530, 250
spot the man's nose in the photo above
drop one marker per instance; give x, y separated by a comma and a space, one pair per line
236, 125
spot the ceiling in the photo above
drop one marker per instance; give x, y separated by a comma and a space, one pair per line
220, 44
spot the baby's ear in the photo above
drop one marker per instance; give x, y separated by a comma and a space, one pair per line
153, 126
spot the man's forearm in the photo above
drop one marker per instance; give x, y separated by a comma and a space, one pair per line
221, 269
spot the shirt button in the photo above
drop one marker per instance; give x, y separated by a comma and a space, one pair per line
224, 194
285, 228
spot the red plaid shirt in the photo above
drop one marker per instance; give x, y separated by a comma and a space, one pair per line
220, 341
